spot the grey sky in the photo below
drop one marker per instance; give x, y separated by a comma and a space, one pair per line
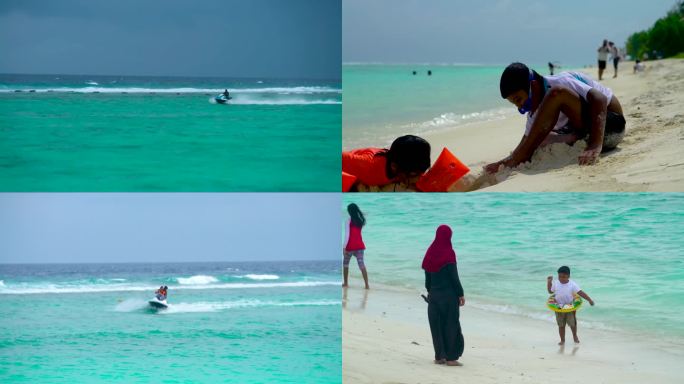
231, 38
149, 227
490, 32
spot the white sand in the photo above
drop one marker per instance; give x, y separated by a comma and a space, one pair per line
649, 159
386, 339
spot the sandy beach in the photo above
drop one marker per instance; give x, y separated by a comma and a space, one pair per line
386, 339
649, 158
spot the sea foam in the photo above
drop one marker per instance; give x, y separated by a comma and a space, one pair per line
56, 289
220, 306
197, 280
261, 277
264, 90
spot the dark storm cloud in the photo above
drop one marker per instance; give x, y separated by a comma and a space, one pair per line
256, 38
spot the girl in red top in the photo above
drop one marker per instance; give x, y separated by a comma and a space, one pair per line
404, 162
353, 245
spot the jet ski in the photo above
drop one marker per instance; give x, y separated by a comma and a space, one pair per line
222, 99
158, 304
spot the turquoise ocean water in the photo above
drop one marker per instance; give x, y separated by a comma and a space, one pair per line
112, 133
625, 250
226, 322
382, 102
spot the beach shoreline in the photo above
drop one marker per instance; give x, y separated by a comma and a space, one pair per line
386, 338
647, 159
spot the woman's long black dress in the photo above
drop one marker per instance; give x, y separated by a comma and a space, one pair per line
444, 288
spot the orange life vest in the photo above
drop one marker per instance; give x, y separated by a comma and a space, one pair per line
366, 165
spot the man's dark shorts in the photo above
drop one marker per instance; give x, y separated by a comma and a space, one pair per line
602, 64
612, 135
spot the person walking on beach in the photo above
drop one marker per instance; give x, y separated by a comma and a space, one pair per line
445, 296
615, 56
353, 244
563, 108
603, 51
565, 290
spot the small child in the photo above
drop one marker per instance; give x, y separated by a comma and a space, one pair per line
401, 165
565, 290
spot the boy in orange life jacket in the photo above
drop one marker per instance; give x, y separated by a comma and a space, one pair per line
404, 162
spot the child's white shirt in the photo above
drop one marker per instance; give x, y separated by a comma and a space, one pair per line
564, 292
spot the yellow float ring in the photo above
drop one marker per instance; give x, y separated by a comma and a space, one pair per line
552, 305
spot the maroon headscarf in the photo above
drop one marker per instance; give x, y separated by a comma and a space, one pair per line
440, 252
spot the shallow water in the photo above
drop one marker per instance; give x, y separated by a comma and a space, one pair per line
236, 322
382, 102
624, 249
167, 134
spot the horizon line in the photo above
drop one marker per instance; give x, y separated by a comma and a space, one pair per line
447, 64
159, 261
177, 76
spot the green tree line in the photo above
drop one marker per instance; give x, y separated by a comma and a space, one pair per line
666, 36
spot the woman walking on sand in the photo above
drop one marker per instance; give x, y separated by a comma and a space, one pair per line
603, 51
615, 56
445, 296
353, 245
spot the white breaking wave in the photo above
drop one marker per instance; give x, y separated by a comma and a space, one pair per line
439, 123
53, 288
450, 119
219, 306
197, 280
261, 277
2, 283
130, 305
282, 102
108, 281
92, 83
278, 90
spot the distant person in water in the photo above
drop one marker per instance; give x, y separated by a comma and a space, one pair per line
353, 245
561, 109
615, 56
414, 72
445, 296
551, 68
603, 52
401, 165
429, 72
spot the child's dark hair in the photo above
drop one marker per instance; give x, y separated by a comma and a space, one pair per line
410, 154
514, 78
564, 269
356, 215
